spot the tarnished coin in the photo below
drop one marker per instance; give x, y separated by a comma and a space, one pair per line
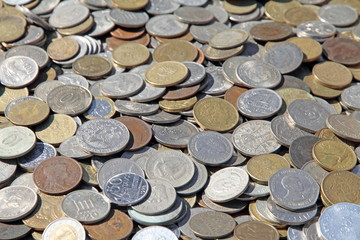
228, 39
14, 231
311, 49
320, 90
193, 15
12, 28
270, 31
155, 232
301, 150
227, 184
293, 189
103, 136
230, 207
121, 85
165, 74
64, 228
16, 141
130, 55
136, 109
344, 126
126, 189
342, 50
102, 23
130, 5
16, 202
338, 14
8, 94
235, 7
92, 66
215, 54
165, 26
71, 148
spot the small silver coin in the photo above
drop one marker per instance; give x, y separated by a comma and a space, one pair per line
71, 225
295, 233
122, 85
315, 29
147, 93
136, 109
71, 148
161, 117
229, 68
100, 108
154, 232
293, 189
257, 190
16, 141
126, 189
194, 15
216, 82
129, 19
198, 181
317, 172
74, 79
7, 169
203, 33
184, 223
103, 136
68, 16
102, 23
338, 14
86, 206
165, 26
27, 180
141, 156
36, 53
158, 7
196, 74
43, 89
300, 150
45, 6
230, 207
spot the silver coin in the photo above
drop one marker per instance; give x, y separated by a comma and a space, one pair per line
161, 117
261, 208
117, 166
258, 74
313, 232
293, 189
45, 6
217, 83
17, 2
69, 99
284, 132
161, 198
25, 179
243, 218
157, 7
128, 19
257, 190
126, 189
154, 232
210, 148
38, 54
254, 15
67, 226
173, 166
135, 109
230, 207
16, 141
165, 26
203, 33
220, 13
141, 156
43, 89
196, 74
18, 71
295, 233
193, 3
300, 150
315, 29
69, 16
286, 57
254, 138
230, 66
102, 23
40, 153
7, 170
285, 216
148, 93
338, 14
33, 18
103, 136
344, 126
16, 202
122, 85
228, 39
350, 97
317, 172
74, 79
86, 206
246, 26
293, 82
331, 109
194, 15
98, 161
314, 2
184, 223
71, 148
176, 135
198, 181
307, 115
227, 184
259, 103
33, 35
95, 88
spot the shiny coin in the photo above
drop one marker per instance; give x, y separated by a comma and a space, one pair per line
101, 107
270, 31
215, 81
315, 29
121, 85
72, 78
92, 66
228, 39
165, 74
64, 227
130, 55
103, 23
317, 172
338, 14
165, 26
148, 93
16, 141
155, 232
332, 75
56, 49
136, 109
196, 74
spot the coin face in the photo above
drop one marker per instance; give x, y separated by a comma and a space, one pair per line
342, 50
166, 74
64, 227
56, 49
245, 230
16, 141
92, 66
12, 28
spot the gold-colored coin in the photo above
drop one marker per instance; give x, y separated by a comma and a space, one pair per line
334, 155
175, 50
336, 104
186, 37
12, 28
355, 70
311, 49
78, 29
276, 9
92, 66
89, 174
352, 3
324, 200
37, 235
287, 158
332, 75
56, 129
320, 90
6, 11
1, 4
47, 210
341, 186
215, 114
191, 200
262, 167
27, 111
254, 213
215, 54
4, 122
165, 74
348, 35
295, 16
240, 7
130, 55
291, 94
9, 94
130, 5
178, 105
326, 133
100, 101
63, 49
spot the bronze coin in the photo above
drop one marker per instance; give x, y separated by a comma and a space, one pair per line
342, 50
117, 226
201, 56
233, 93
127, 33
113, 43
271, 31
181, 93
57, 175
140, 132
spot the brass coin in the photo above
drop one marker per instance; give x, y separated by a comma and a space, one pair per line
222, 54
291, 94
334, 155
130, 55
262, 167
233, 93
63, 49
344, 126
178, 105
311, 49
296, 15
56, 129
332, 75
240, 7
37, 235
256, 230
326, 133
355, 70
320, 90
181, 93
215, 114
270, 31
92, 66
127, 34
6, 11
130, 5
9, 94
190, 199
101, 104
175, 50
165, 74
12, 28
78, 29
4, 122
276, 9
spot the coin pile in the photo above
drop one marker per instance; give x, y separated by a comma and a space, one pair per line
179, 119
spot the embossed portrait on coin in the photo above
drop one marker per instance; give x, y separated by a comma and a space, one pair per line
55, 176
293, 184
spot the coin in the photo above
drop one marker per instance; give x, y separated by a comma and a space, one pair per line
135, 109
56, 49
64, 227
197, 182
155, 232
236, 7
129, 19
130, 55
203, 33
276, 10
71, 148
9, 94
301, 150
328, 74
175, 50
233, 93
317, 172
193, 15
228, 39
320, 90
161, 117
165, 74
216, 54
13, 231
121, 85
311, 49
12, 28
92, 66
16, 141
165, 26
344, 126
270, 31
101, 107
69, 16
246, 230
345, 15
341, 50
296, 15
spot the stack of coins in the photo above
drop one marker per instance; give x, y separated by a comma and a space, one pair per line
179, 119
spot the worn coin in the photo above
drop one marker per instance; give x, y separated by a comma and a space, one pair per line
8, 168
12, 28
130, 55
193, 15
203, 33
301, 150
92, 66
161, 117
228, 39
36, 53
311, 49
14, 231
216, 54
197, 182
320, 90
342, 50
158, 7
338, 14
165, 26
270, 31
344, 126
63, 49
69, 16
64, 228
71, 148
235, 7
165, 74
317, 172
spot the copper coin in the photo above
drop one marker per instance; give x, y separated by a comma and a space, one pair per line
140, 132
201, 56
186, 37
342, 50
233, 93
113, 43
117, 226
57, 175
181, 93
271, 31
127, 33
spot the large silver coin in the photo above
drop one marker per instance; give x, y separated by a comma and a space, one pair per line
16, 141
64, 227
122, 85
216, 82
126, 189
230, 66
103, 23
43, 89
103, 136
153, 233
350, 97
36, 53
148, 93
141, 156
293, 189
340, 15
71, 148
196, 74
165, 26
